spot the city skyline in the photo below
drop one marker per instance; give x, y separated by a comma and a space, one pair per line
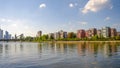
28, 17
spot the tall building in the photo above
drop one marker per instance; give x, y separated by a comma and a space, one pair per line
1, 34
81, 33
39, 33
91, 32
63, 34
6, 36
56, 35
99, 33
113, 32
106, 32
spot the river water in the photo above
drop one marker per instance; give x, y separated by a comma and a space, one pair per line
59, 55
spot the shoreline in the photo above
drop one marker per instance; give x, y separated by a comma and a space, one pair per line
79, 41
118, 41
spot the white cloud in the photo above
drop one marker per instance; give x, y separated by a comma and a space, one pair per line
5, 20
107, 18
96, 5
71, 5
43, 5
17, 26
2, 20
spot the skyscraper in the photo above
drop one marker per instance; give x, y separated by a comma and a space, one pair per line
7, 35
1, 33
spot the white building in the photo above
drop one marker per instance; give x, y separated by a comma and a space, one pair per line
106, 32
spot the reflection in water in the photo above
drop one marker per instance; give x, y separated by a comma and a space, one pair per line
85, 54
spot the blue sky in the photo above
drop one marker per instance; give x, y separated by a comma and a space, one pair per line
30, 16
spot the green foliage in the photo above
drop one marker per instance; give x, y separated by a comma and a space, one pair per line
28, 38
71, 35
117, 37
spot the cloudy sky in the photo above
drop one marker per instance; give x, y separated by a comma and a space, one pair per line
30, 16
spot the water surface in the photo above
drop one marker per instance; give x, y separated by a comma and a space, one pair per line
59, 55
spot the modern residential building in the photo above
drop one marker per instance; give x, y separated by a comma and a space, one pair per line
113, 32
81, 33
56, 35
91, 32
99, 33
1, 34
39, 33
106, 32
63, 34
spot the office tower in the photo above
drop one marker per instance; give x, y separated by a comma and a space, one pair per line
7, 35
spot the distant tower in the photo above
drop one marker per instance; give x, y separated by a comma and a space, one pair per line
1, 33
39, 33
15, 36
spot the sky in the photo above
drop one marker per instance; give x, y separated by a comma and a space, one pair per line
30, 16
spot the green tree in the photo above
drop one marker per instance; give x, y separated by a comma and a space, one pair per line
71, 35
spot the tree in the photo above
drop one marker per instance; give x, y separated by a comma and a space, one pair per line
28, 38
95, 37
71, 35
117, 37
44, 37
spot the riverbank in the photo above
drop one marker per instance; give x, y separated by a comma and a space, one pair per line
79, 41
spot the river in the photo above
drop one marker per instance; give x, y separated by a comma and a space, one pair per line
59, 55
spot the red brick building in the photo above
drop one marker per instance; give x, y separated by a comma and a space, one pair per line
81, 33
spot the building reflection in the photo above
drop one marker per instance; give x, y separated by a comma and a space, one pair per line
94, 49
81, 48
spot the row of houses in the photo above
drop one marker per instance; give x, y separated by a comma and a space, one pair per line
60, 34
105, 32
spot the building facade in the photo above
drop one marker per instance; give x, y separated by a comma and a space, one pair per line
39, 33
113, 32
63, 34
81, 33
99, 33
106, 32
56, 35
91, 32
